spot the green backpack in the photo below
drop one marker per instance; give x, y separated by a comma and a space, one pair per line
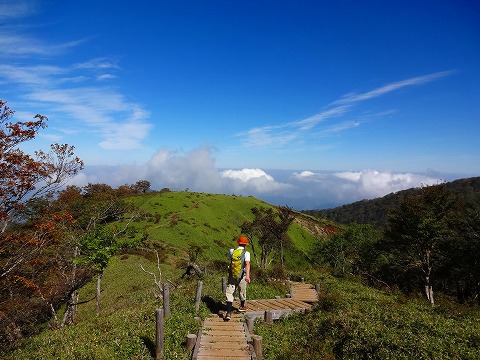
237, 264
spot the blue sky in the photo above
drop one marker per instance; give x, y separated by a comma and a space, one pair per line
305, 103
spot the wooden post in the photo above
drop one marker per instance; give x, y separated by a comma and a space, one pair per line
257, 346
268, 317
303, 280
317, 288
277, 297
250, 324
199, 295
166, 300
191, 340
198, 319
159, 336
288, 296
224, 285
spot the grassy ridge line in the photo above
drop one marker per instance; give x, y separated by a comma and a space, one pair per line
210, 221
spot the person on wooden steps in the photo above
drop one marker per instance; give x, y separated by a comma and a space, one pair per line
238, 276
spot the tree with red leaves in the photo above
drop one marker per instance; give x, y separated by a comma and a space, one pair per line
29, 245
25, 178
22, 176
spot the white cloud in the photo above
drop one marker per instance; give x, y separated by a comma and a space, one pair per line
372, 183
349, 186
195, 170
305, 174
98, 64
106, 112
106, 77
246, 174
300, 131
385, 89
15, 8
21, 46
69, 92
125, 136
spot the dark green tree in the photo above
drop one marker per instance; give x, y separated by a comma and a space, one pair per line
351, 251
416, 231
269, 227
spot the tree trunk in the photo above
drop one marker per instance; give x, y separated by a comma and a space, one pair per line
429, 293
428, 270
71, 311
99, 281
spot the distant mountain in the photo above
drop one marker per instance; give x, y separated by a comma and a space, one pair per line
375, 211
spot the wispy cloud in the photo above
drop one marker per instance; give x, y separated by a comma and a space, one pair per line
292, 132
15, 9
353, 98
122, 124
23, 46
68, 93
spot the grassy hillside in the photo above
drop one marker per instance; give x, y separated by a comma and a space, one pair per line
182, 220
351, 321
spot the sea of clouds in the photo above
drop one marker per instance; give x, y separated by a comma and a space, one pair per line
299, 189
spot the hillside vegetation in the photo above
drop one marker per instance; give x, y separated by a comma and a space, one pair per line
375, 211
208, 224
350, 321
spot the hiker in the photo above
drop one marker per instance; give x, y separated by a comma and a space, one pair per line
238, 276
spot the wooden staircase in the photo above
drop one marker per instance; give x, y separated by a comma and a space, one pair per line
229, 340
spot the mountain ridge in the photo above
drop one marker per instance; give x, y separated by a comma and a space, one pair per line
375, 211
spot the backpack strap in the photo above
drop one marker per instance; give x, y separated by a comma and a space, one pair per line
243, 262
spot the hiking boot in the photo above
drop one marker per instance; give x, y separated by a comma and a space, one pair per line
228, 316
242, 308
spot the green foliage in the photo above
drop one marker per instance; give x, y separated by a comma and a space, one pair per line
126, 327
97, 247
186, 220
268, 230
351, 251
352, 321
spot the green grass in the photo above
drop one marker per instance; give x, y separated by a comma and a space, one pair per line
125, 328
183, 219
351, 321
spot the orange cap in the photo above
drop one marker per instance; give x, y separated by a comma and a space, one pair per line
242, 240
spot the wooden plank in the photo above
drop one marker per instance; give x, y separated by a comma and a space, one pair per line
232, 337
279, 304
225, 352
197, 345
296, 304
255, 305
224, 345
269, 304
288, 304
223, 357
304, 292
220, 332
